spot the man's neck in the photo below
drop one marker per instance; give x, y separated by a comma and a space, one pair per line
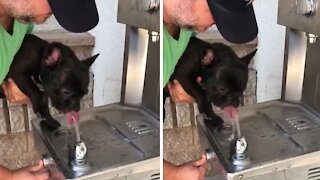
6, 21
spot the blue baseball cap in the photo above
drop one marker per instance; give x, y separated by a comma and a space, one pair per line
75, 15
235, 19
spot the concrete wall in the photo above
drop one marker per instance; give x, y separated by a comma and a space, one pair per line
109, 39
269, 57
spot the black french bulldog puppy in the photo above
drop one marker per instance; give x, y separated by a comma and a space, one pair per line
62, 75
223, 76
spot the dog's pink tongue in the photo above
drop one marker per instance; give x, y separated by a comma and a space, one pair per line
230, 112
72, 117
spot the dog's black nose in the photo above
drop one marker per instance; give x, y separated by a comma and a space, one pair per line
229, 98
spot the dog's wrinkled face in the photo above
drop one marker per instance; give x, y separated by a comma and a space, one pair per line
225, 75
64, 77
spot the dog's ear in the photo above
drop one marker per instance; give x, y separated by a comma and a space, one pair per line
246, 59
90, 60
52, 56
208, 56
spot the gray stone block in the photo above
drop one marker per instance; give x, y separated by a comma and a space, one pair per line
196, 112
13, 144
183, 155
90, 86
177, 138
252, 83
31, 116
86, 103
196, 139
17, 161
183, 114
17, 121
3, 124
30, 142
249, 100
13, 104
168, 119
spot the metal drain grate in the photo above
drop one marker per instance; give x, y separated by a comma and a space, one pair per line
300, 123
295, 124
140, 127
155, 176
314, 173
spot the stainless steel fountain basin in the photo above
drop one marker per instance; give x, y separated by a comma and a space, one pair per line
115, 136
275, 131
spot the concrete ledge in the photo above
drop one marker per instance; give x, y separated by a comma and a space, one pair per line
68, 38
213, 36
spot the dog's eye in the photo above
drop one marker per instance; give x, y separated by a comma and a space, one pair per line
222, 89
65, 92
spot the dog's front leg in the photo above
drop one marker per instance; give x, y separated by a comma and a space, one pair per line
38, 99
211, 115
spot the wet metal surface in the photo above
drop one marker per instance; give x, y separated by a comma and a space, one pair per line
114, 136
274, 131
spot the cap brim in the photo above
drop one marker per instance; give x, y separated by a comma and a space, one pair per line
75, 15
235, 27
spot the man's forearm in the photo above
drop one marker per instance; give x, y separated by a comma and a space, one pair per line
169, 171
5, 173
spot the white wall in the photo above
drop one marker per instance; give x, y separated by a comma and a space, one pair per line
270, 54
109, 38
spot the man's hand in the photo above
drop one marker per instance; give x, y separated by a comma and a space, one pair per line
13, 93
194, 170
31, 173
177, 93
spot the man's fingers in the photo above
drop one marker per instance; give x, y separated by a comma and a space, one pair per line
4, 88
202, 171
176, 82
13, 93
201, 166
6, 91
201, 161
171, 92
10, 80
37, 167
13, 86
178, 87
42, 176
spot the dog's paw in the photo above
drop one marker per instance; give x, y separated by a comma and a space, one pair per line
53, 124
215, 121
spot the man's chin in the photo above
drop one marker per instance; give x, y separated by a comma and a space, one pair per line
35, 20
